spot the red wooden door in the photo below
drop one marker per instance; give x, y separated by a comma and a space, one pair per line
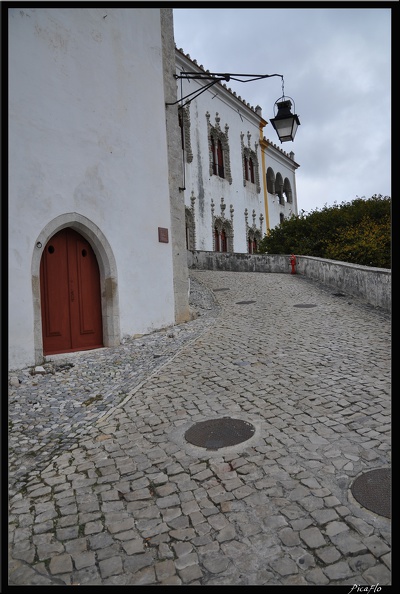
70, 295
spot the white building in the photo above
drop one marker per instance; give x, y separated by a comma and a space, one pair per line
225, 167
98, 179
96, 220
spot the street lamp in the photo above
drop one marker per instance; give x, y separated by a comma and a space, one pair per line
285, 123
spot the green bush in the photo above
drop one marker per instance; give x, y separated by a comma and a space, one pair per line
358, 232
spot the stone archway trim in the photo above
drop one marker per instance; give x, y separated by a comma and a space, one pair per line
108, 276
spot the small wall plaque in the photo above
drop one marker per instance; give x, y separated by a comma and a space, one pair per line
162, 235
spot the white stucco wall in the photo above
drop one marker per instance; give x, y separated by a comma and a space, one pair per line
87, 135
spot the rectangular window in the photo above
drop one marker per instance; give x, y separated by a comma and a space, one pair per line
251, 167
216, 237
246, 169
214, 164
224, 245
220, 156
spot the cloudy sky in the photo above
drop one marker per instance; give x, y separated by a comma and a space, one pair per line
336, 65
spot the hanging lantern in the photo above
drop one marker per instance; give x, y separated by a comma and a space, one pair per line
284, 122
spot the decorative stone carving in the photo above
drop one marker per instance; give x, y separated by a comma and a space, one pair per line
185, 111
253, 233
222, 225
249, 153
216, 133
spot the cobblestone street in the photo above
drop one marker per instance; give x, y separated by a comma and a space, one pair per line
105, 488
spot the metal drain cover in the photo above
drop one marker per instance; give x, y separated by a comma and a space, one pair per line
219, 433
373, 491
244, 302
305, 305
223, 289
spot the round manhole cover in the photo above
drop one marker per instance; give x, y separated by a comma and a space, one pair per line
219, 433
305, 305
244, 302
373, 491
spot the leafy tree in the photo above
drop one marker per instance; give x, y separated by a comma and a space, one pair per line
358, 232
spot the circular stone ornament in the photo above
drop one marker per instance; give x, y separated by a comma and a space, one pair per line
373, 490
214, 434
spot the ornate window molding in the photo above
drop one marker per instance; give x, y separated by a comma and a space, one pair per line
184, 123
218, 138
253, 233
222, 229
250, 163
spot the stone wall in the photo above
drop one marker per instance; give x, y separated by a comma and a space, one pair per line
372, 285
178, 236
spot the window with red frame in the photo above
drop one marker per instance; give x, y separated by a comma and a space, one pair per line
214, 162
224, 244
251, 167
252, 245
220, 159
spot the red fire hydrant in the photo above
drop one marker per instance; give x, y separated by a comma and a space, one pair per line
292, 261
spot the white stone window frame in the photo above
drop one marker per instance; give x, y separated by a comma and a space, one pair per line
216, 133
250, 153
223, 224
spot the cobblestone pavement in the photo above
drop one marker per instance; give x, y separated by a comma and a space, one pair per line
106, 489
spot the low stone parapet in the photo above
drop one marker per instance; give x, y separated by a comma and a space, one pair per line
373, 285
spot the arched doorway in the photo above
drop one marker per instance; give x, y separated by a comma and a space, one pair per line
70, 294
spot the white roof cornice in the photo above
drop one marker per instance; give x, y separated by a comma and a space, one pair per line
186, 64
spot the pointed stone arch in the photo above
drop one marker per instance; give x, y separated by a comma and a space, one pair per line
108, 277
224, 229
